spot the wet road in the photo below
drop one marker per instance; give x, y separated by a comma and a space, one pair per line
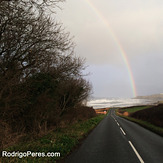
116, 140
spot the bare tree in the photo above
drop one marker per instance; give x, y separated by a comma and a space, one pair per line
40, 77
28, 42
73, 92
38, 6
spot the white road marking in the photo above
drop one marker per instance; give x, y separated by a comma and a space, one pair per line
114, 118
122, 131
137, 154
117, 123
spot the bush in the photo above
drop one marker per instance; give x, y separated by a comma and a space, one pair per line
40, 77
152, 115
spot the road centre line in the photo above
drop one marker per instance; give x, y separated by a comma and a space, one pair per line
122, 131
137, 154
120, 127
114, 118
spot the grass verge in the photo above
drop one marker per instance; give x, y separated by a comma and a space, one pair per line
63, 140
134, 109
147, 125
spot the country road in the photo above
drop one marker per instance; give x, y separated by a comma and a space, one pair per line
116, 140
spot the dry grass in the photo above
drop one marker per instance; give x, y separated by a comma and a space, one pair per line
102, 110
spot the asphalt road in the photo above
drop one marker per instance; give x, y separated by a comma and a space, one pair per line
116, 140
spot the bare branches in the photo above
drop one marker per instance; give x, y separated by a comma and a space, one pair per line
29, 39
40, 77
39, 6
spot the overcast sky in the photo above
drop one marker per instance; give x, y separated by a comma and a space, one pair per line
136, 24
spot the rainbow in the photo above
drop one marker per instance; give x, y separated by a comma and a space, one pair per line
122, 51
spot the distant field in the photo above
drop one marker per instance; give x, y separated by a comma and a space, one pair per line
134, 109
150, 117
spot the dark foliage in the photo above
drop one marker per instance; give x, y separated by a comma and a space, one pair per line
153, 115
40, 77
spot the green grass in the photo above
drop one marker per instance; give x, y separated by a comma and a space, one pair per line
62, 140
134, 109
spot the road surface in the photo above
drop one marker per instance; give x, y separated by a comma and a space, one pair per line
116, 140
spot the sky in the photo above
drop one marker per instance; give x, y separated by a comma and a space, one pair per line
122, 42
